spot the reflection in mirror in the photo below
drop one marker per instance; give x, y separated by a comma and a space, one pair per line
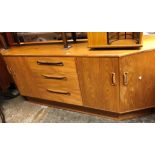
46, 36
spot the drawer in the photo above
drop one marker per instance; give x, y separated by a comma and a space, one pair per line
71, 96
52, 65
56, 81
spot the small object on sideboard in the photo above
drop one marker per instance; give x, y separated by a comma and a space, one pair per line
115, 39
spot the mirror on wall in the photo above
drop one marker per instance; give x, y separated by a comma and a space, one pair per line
47, 36
27, 38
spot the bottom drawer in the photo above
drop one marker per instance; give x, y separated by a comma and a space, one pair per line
66, 96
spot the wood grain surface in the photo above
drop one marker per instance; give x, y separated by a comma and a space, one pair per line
95, 78
139, 92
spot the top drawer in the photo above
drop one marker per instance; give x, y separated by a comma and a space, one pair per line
53, 65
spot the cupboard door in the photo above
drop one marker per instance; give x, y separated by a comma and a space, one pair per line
99, 83
22, 76
137, 81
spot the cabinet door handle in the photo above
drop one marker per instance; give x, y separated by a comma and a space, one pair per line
125, 78
59, 92
54, 77
39, 62
113, 78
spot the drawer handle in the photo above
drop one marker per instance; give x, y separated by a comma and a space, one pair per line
54, 77
113, 79
50, 63
125, 78
59, 92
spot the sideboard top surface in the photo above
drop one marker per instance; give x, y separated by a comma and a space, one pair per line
77, 49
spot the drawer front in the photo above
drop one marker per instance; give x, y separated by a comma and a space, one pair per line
61, 95
58, 81
52, 65
56, 78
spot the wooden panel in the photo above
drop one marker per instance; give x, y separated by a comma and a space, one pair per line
139, 91
69, 81
141, 38
95, 77
68, 67
71, 96
22, 76
97, 39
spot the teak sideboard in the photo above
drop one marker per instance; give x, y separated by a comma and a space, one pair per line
108, 82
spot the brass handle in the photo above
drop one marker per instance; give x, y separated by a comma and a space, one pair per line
59, 92
39, 62
113, 79
125, 78
54, 77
